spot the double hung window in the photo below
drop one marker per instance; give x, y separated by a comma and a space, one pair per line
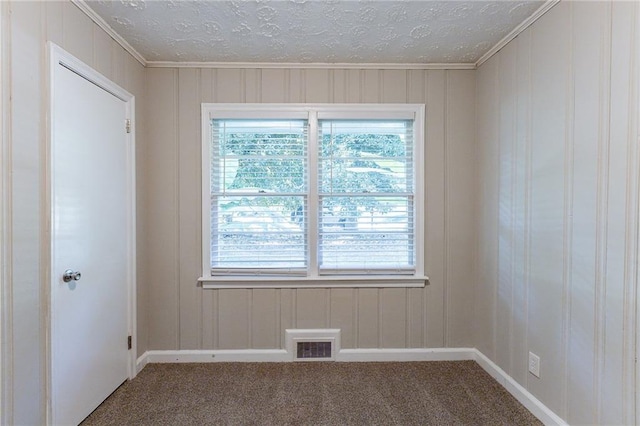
324, 193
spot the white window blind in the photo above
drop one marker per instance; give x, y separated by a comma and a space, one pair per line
259, 195
366, 197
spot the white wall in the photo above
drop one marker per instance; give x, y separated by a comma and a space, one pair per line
184, 316
26, 28
558, 182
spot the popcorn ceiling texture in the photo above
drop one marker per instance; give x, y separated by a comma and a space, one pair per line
307, 31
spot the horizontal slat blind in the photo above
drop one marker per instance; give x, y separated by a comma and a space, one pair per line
366, 196
258, 196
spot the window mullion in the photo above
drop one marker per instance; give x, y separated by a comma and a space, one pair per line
312, 199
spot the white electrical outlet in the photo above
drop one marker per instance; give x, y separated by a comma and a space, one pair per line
534, 364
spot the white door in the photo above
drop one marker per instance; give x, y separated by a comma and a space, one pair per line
90, 220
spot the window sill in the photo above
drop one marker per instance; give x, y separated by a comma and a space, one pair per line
356, 281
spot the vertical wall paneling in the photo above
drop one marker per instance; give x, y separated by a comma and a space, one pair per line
370, 84
435, 213
486, 289
339, 86
207, 302
415, 82
287, 310
161, 197
102, 52
380, 311
317, 89
417, 316
618, 180
394, 86
550, 44
264, 319
77, 33
252, 85
189, 234
136, 79
522, 149
587, 57
632, 328
569, 158
273, 85
234, 319
228, 85
368, 318
460, 208
393, 320
118, 67
295, 86
354, 86
424, 300
234, 311
567, 273
633, 335
54, 15
6, 250
216, 321
327, 307
342, 301
25, 162
206, 85
602, 213
311, 306
506, 102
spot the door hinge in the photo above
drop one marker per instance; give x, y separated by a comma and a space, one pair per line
129, 342
128, 125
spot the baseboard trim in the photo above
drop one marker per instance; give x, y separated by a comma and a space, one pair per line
240, 355
531, 403
405, 355
141, 362
281, 355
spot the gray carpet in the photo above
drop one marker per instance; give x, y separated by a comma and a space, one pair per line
321, 393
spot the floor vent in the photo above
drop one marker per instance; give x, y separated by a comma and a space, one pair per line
313, 350
313, 344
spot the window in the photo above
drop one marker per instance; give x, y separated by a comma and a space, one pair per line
300, 194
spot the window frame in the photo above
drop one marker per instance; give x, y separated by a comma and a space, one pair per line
312, 113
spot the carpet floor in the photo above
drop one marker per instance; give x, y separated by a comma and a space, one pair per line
386, 393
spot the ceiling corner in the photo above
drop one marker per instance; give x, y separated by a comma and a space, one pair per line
517, 30
97, 19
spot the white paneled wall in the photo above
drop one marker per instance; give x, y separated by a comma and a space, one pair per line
558, 174
27, 26
184, 316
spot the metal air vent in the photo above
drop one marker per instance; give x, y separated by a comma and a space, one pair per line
313, 350
313, 344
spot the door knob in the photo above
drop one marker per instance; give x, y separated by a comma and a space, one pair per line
70, 275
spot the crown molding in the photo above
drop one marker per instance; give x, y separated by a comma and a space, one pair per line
84, 7
314, 65
516, 31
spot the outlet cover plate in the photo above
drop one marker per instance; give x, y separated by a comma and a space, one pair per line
534, 364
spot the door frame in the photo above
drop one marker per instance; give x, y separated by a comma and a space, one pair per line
58, 57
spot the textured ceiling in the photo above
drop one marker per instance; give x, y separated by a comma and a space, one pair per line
305, 31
